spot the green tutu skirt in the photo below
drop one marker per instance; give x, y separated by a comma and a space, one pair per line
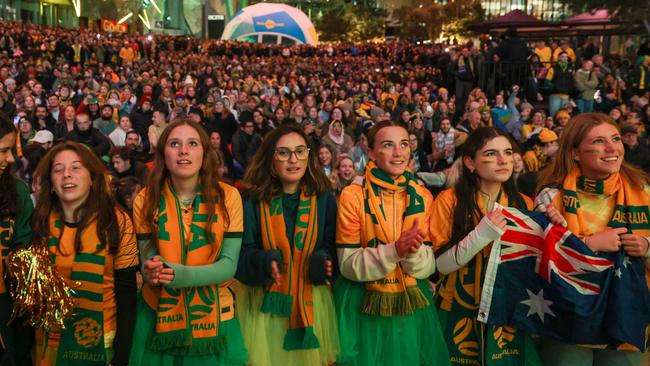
233, 354
414, 339
264, 333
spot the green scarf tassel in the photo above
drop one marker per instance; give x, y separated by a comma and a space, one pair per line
391, 304
300, 338
277, 303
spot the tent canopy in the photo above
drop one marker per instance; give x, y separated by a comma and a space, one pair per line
513, 18
598, 16
271, 23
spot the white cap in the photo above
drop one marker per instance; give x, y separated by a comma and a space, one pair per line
43, 136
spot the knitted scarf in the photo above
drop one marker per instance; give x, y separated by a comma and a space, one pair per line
82, 339
631, 208
187, 318
397, 293
292, 298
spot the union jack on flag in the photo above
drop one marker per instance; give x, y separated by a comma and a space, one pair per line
542, 279
552, 254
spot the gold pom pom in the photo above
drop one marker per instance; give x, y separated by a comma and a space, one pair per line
40, 295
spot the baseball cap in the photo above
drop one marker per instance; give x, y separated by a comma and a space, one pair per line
43, 136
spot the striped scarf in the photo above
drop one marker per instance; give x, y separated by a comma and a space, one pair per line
292, 298
82, 339
397, 293
631, 209
187, 318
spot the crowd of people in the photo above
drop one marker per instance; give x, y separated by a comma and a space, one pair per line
229, 203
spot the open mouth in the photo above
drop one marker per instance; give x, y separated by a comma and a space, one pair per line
610, 159
68, 186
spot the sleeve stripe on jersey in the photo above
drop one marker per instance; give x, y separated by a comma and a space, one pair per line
351, 246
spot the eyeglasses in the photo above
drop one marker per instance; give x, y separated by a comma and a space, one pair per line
284, 154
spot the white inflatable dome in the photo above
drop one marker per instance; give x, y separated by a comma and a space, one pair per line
271, 23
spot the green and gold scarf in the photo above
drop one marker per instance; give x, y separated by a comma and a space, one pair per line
631, 208
187, 319
82, 340
397, 293
292, 298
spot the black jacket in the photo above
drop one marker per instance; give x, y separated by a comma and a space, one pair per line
92, 138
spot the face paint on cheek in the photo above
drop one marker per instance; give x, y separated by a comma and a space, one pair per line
592, 151
487, 161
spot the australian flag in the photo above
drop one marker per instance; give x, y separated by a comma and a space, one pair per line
544, 280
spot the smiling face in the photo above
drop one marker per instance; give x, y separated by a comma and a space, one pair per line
346, 169
600, 153
184, 153
71, 180
290, 171
493, 162
391, 151
7, 143
325, 156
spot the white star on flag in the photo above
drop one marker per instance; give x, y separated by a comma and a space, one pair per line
618, 273
538, 305
626, 261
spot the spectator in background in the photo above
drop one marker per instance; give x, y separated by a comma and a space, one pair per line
85, 134
561, 83
118, 136
337, 139
158, 124
464, 71
566, 48
418, 156
140, 118
216, 142
222, 121
124, 165
586, 82
133, 141
245, 143
326, 157
514, 52
640, 77
344, 176
44, 137
42, 119
105, 123
637, 152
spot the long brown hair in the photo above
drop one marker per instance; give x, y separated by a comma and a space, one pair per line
100, 205
575, 131
8, 200
260, 180
469, 183
209, 179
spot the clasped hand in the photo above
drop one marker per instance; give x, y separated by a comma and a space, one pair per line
157, 273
